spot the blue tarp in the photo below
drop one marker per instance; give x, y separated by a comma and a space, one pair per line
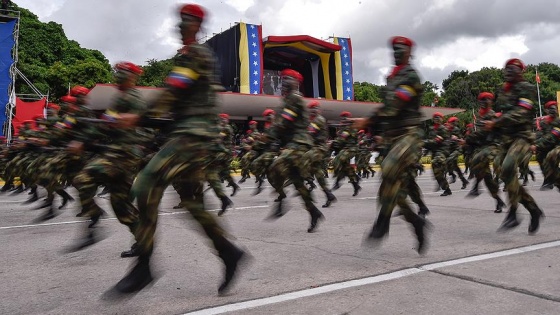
6, 44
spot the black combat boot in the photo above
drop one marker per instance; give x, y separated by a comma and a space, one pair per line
423, 211
465, 184
330, 199
453, 178
138, 278
134, 251
65, 197
500, 204
357, 189
226, 203
34, 196
232, 257
474, 192
510, 221
316, 215
235, 188
419, 225
536, 216
446, 192
380, 228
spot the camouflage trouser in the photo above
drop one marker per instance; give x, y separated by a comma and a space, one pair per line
60, 167
362, 161
261, 164
219, 167
516, 154
183, 160
395, 174
342, 166
480, 167
116, 175
412, 188
289, 165
313, 166
452, 163
439, 169
524, 165
245, 162
550, 166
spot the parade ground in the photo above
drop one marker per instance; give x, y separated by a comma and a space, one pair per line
469, 267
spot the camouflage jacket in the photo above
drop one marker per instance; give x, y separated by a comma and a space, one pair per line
479, 136
516, 102
438, 139
318, 130
290, 129
190, 95
401, 103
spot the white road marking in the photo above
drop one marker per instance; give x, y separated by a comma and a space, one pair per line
365, 281
111, 219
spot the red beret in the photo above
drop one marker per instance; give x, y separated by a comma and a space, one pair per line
516, 62
79, 90
550, 103
53, 106
484, 95
249, 131
129, 66
292, 73
224, 115
470, 125
438, 114
267, 112
252, 122
452, 119
401, 40
68, 99
361, 131
345, 114
498, 114
313, 104
193, 10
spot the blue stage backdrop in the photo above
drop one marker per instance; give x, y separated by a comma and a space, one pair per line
6, 60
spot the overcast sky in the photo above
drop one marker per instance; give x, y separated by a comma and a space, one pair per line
450, 34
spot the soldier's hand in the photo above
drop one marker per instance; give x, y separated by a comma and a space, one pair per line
377, 139
533, 148
75, 147
128, 120
489, 125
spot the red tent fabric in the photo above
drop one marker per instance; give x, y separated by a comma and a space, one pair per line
26, 111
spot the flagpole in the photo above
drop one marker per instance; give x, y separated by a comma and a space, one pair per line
538, 92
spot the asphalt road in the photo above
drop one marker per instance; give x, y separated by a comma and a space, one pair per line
469, 267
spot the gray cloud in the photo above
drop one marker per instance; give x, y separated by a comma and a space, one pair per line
138, 30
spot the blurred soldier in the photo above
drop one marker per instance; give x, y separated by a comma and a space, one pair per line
437, 143
315, 157
261, 164
516, 100
290, 132
468, 150
399, 119
117, 161
454, 151
192, 99
346, 146
547, 147
486, 147
249, 154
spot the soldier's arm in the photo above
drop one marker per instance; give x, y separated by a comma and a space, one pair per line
522, 112
407, 91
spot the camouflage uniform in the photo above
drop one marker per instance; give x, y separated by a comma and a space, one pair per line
516, 101
437, 142
191, 97
290, 132
315, 157
114, 166
486, 148
346, 143
399, 119
454, 152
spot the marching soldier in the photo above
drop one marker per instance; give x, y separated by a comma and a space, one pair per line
191, 96
516, 100
399, 120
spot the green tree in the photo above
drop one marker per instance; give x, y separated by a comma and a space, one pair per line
367, 92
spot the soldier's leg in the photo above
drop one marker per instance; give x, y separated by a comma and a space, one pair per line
213, 179
438, 167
